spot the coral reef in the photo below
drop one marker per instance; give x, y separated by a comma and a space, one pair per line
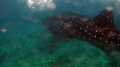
30, 48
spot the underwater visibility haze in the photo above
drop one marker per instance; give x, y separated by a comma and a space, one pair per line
59, 33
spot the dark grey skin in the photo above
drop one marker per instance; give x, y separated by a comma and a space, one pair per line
99, 31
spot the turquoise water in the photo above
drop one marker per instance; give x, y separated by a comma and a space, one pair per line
24, 41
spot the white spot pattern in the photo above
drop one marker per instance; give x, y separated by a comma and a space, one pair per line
95, 34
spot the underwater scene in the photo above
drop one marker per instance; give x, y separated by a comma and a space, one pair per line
59, 33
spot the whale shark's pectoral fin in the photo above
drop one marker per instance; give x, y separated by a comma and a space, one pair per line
56, 39
54, 43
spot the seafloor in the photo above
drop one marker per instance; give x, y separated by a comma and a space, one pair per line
24, 45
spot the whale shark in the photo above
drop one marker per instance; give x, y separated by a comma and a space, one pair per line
99, 31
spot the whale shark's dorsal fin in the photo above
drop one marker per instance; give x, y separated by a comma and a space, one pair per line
105, 18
